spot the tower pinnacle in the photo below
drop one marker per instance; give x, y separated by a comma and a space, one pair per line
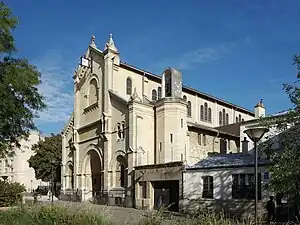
93, 44
110, 44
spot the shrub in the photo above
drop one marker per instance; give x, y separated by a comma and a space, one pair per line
204, 217
10, 193
47, 215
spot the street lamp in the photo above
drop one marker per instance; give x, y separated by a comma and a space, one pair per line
255, 134
52, 186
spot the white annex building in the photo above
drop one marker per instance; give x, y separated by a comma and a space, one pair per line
132, 132
16, 168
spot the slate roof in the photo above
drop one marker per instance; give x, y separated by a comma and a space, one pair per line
227, 161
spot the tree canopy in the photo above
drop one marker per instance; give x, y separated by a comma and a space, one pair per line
47, 154
20, 100
284, 169
7, 23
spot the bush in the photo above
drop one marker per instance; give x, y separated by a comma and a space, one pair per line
10, 193
204, 217
47, 215
77, 215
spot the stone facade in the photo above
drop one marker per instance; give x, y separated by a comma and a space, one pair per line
16, 169
125, 117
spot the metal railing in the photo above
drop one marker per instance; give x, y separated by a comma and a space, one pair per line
100, 197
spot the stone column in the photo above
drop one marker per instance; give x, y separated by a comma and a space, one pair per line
67, 185
151, 195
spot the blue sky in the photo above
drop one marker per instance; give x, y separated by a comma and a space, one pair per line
237, 50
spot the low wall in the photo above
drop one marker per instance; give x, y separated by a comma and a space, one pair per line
240, 209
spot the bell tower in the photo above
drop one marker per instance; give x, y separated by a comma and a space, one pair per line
171, 83
171, 113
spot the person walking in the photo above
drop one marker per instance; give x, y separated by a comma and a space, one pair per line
271, 210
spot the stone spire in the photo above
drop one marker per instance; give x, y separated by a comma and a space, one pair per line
135, 97
110, 44
93, 44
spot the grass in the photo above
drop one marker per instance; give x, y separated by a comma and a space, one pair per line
64, 215
51, 215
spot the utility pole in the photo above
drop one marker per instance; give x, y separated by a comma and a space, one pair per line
52, 186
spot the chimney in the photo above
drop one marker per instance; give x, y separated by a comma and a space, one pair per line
245, 146
260, 110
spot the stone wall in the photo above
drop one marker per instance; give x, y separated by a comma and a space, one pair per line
241, 209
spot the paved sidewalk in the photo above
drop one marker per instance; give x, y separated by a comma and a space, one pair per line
118, 215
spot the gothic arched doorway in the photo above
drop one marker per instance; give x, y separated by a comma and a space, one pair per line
122, 171
93, 172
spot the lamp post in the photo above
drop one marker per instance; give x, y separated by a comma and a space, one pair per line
255, 134
52, 186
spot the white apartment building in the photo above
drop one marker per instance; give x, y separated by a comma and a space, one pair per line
16, 169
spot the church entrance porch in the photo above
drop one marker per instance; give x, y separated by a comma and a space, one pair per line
158, 185
166, 194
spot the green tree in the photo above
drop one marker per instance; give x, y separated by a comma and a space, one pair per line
47, 155
7, 23
284, 169
20, 100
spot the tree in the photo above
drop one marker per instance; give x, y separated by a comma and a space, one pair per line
20, 100
47, 154
284, 168
7, 23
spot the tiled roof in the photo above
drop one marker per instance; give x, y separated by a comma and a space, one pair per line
227, 161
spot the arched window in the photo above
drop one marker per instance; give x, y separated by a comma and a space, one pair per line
209, 115
154, 95
205, 112
93, 92
223, 117
168, 83
159, 92
119, 131
227, 119
240, 118
236, 119
243, 120
189, 109
184, 98
129, 86
101, 125
201, 112
123, 130
220, 118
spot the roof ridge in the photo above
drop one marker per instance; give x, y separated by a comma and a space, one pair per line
189, 88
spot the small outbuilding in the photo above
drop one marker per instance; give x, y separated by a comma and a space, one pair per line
225, 182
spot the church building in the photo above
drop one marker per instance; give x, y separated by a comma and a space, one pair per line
132, 132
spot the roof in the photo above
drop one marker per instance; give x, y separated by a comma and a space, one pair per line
233, 128
68, 124
162, 165
227, 161
214, 129
187, 89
